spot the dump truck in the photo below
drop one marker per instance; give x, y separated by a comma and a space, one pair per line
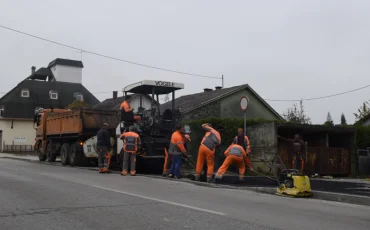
72, 134
63, 132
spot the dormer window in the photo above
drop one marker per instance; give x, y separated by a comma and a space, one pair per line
79, 96
53, 95
25, 93
2, 111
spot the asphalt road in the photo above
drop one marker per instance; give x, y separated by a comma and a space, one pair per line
39, 196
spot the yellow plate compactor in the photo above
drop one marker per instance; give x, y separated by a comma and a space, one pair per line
293, 184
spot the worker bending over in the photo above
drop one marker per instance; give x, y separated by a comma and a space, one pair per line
177, 150
103, 145
299, 151
131, 145
243, 141
235, 154
207, 149
168, 158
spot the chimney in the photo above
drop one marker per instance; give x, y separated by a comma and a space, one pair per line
218, 87
115, 93
207, 90
33, 70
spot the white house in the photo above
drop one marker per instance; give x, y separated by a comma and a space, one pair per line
56, 86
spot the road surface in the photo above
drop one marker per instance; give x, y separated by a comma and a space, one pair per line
39, 196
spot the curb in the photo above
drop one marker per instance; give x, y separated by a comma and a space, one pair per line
317, 195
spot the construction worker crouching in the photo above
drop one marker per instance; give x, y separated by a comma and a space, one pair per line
235, 154
103, 146
207, 149
177, 151
131, 145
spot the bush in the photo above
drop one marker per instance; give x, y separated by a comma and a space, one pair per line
363, 136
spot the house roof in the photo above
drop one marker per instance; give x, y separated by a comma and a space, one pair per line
23, 107
42, 74
67, 62
363, 119
192, 102
114, 104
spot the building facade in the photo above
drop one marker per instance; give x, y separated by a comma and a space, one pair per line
56, 86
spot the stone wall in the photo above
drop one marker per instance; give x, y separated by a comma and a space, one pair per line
210, 110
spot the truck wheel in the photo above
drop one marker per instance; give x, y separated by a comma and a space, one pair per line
50, 156
64, 154
42, 156
75, 155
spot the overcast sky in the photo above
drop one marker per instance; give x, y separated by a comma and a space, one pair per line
282, 49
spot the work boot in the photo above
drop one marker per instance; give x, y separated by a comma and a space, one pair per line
133, 173
197, 178
209, 179
171, 176
105, 170
123, 173
177, 177
100, 170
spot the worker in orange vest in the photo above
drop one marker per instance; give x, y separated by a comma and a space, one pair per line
177, 151
131, 145
127, 107
168, 158
235, 154
243, 141
207, 149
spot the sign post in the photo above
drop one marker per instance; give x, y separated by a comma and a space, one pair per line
243, 106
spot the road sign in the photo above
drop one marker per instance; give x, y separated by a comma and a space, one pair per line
244, 106
244, 103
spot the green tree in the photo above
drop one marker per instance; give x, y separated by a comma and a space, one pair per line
76, 104
329, 120
343, 120
296, 114
363, 111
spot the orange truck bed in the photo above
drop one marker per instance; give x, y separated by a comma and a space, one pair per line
79, 122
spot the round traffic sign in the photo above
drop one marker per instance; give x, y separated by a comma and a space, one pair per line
244, 103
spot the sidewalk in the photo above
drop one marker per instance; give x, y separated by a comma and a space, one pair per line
19, 156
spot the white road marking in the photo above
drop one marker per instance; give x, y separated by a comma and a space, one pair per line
162, 201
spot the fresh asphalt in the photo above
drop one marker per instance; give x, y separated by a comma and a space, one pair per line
40, 196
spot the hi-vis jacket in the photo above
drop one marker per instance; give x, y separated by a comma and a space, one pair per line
131, 142
247, 144
212, 138
237, 150
126, 106
176, 144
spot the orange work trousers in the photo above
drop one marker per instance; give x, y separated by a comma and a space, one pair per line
205, 153
167, 162
231, 159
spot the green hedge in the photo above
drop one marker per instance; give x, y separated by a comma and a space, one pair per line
362, 136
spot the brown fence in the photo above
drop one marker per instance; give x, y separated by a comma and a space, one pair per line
324, 161
18, 149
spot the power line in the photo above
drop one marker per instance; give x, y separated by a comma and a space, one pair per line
322, 97
108, 57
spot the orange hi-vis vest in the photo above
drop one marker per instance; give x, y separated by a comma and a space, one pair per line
131, 142
177, 144
212, 138
126, 106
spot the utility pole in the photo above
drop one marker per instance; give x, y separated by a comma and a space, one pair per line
222, 81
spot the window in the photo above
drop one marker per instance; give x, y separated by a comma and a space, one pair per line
1, 111
53, 95
79, 96
25, 93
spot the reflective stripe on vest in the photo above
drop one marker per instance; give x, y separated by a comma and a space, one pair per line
211, 141
236, 151
130, 144
173, 149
